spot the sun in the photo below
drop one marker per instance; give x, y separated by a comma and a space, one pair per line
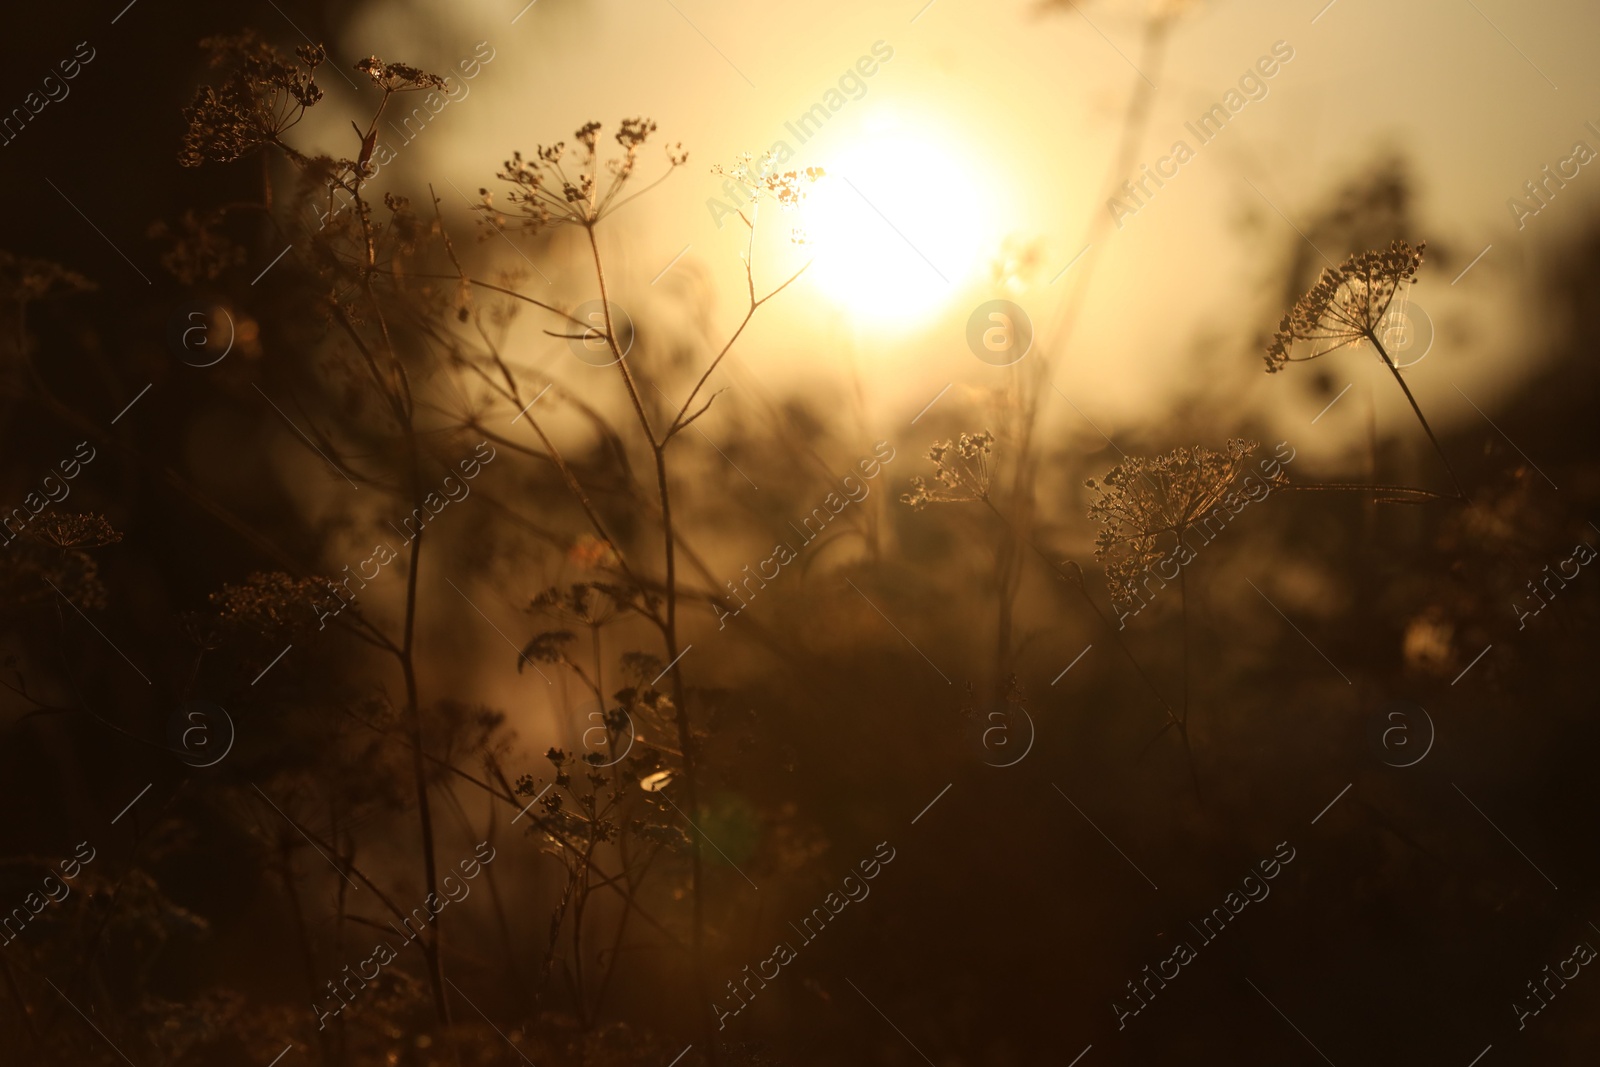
898, 225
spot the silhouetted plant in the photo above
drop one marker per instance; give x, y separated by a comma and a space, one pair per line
1348, 305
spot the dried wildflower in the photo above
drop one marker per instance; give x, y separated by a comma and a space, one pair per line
549, 646
1143, 499
201, 630
25, 280
197, 248
641, 668
761, 178
262, 95
71, 571
83, 530
270, 605
398, 77
1347, 305
545, 192
962, 472
588, 603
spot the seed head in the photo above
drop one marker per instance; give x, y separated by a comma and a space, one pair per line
1347, 305
262, 94
961, 473
548, 188
398, 77
1141, 500
85, 530
25, 280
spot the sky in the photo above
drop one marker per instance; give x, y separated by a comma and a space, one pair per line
991, 123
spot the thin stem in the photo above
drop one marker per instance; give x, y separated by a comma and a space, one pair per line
1183, 626
669, 633
616, 349
1347, 487
1373, 337
1076, 579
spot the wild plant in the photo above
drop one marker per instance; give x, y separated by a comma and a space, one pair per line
380, 297
1349, 305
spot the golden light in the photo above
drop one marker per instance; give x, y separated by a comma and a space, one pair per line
899, 224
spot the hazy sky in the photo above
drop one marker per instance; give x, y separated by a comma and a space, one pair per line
1026, 108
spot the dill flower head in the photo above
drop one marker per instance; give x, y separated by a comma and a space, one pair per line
25, 280
262, 94
761, 179
84, 530
552, 186
1142, 499
198, 248
961, 472
588, 603
1347, 305
398, 77
547, 646
269, 606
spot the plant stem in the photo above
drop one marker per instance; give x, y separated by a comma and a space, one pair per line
1183, 629
1460, 492
669, 633
398, 391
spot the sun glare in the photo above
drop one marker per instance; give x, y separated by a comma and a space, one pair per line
898, 225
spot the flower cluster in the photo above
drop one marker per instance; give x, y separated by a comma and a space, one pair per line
1141, 499
1347, 304
268, 606
961, 474
198, 249
81, 530
263, 94
761, 178
398, 77
25, 280
545, 193
587, 603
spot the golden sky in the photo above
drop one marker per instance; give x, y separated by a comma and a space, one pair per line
990, 121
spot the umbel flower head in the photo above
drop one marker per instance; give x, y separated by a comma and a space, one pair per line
262, 94
1346, 306
587, 603
961, 472
555, 186
398, 77
76, 530
761, 179
1143, 499
24, 280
